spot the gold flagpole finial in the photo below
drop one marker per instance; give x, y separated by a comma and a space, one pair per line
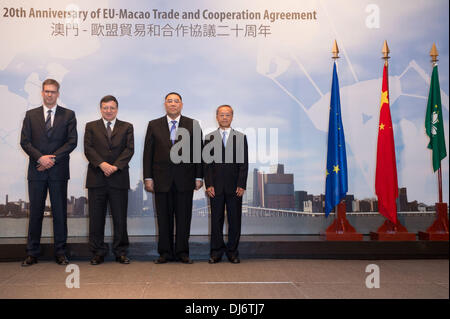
335, 51
385, 52
434, 54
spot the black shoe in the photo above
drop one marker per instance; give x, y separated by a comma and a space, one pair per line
186, 260
62, 260
29, 261
214, 260
234, 260
161, 260
123, 259
97, 259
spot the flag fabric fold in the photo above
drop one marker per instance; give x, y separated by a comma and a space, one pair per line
434, 124
386, 185
336, 184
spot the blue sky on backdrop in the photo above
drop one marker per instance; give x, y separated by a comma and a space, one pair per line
280, 81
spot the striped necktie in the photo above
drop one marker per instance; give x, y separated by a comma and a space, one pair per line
48, 122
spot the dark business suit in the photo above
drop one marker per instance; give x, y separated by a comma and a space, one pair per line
60, 141
225, 173
112, 189
174, 183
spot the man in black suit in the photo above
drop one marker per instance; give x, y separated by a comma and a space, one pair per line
225, 181
108, 146
49, 135
172, 170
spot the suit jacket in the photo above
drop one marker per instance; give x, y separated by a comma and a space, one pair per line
118, 152
61, 141
157, 162
229, 168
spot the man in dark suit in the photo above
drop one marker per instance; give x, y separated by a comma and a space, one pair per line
225, 174
108, 146
49, 135
172, 173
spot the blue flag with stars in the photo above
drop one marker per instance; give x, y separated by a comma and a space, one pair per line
336, 184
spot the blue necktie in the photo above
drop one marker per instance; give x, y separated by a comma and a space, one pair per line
172, 131
224, 139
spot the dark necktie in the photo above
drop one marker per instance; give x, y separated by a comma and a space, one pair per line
48, 122
108, 131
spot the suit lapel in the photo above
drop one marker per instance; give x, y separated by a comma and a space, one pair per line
41, 119
117, 127
58, 118
181, 124
165, 131
102, 129
230, 143
230, 137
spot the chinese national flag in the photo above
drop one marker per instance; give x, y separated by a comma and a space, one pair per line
386, 186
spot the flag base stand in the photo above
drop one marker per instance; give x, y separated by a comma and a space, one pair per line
341, 229
392, 232
439, 229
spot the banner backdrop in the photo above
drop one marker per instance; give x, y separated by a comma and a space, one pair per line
270, 60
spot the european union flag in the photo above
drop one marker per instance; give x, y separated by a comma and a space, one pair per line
336, 174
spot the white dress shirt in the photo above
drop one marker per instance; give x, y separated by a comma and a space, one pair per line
113, 122
228, 130
169, 125
169, 122
53, 109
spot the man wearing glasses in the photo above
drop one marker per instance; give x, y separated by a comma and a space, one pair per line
49, 135
173, 180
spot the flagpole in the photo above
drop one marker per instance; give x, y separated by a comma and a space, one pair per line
439, 230
389, 230
385, 52
338, 211
341, 229
434, 54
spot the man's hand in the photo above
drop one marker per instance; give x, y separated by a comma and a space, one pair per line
149, 186
198, 184
46, 162
108, 169
240, 191
210, 191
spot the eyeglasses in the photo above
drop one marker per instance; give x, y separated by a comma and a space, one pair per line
173, 101
50, 92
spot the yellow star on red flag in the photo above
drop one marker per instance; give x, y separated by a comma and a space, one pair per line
384, 98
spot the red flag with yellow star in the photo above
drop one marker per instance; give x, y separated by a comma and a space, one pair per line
386, 186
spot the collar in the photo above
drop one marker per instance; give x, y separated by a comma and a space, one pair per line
169, 120
53, 109
228, 130
113, 122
